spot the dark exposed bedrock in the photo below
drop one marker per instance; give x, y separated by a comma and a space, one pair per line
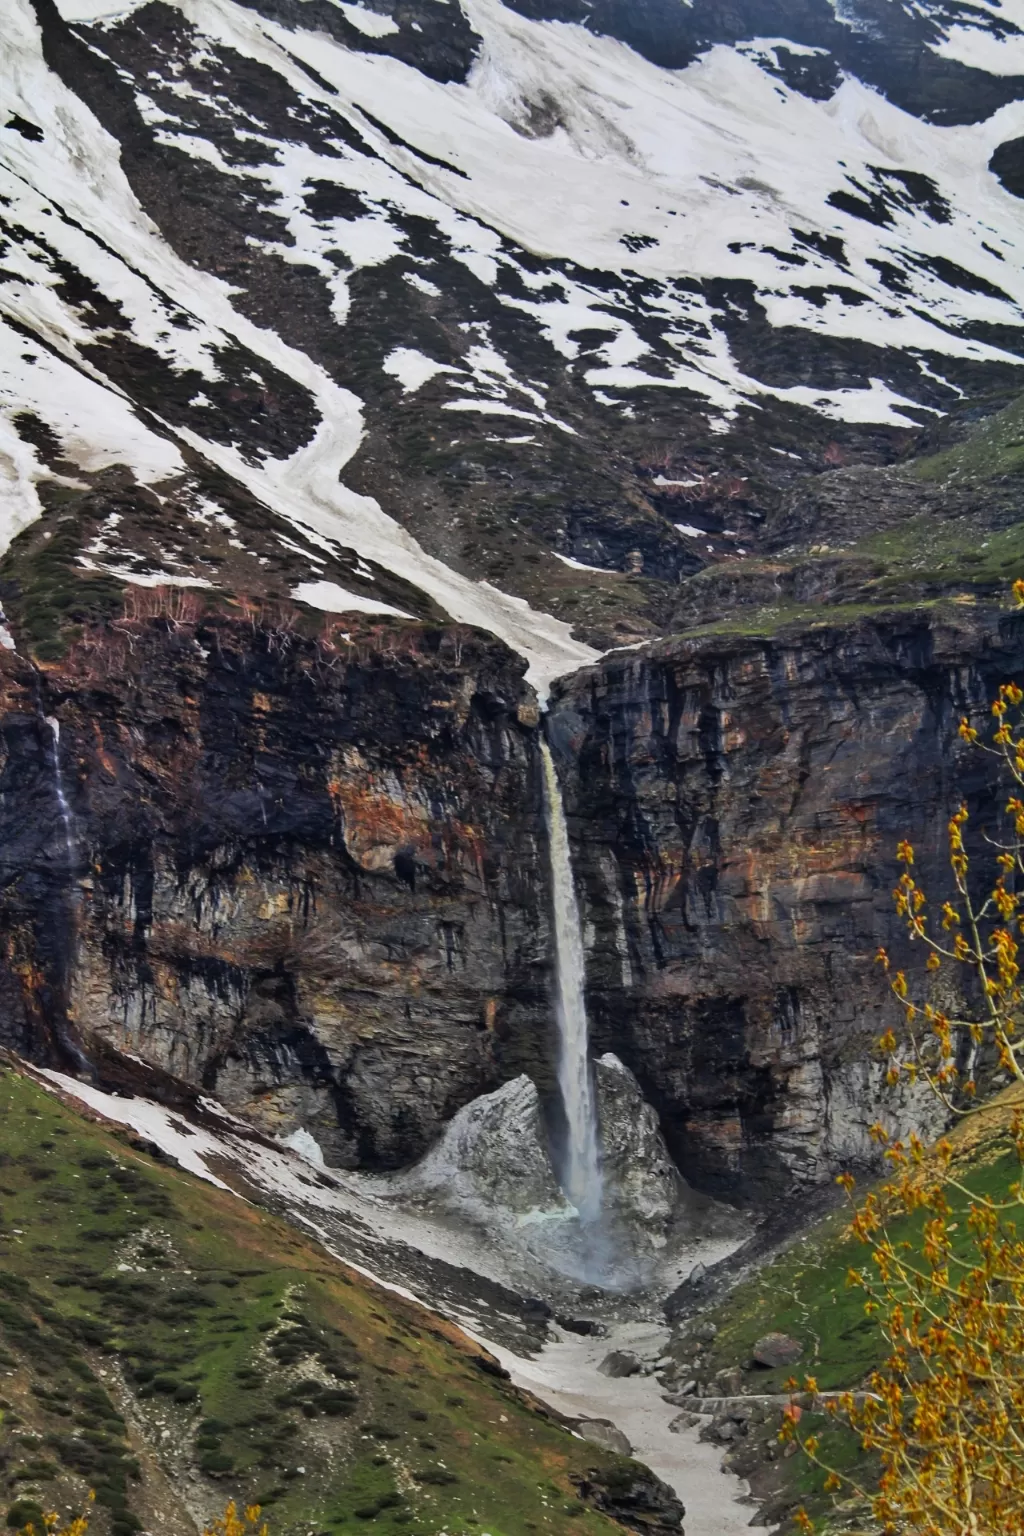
887, 46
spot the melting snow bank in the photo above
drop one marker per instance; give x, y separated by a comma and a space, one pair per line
109, 238
565, 1375
401, 1252
490, 1179
397, 1230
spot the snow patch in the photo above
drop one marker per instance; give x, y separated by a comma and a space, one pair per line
189, 1145
979, 49
306, 1146
370, 23
565, 1374
94, 424
760, 160
305, 488
578, 565
135, 578
334, 599
89, 11
413, 369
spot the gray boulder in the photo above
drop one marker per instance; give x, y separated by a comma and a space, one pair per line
777, 1349
620, 1363
604, 1433
492, 1156
640, 1179
729, 1383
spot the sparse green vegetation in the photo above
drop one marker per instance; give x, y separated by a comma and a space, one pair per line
992, 448
47, 594
805, 1293
293, 1385
956, 553
917, 567
774, 618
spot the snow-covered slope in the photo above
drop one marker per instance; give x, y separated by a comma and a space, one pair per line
398, 300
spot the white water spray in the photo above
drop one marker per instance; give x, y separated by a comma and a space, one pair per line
62, 800
581, 1170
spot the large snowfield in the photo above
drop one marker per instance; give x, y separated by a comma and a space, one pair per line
591, 190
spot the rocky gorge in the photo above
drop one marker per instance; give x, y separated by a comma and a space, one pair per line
308, 875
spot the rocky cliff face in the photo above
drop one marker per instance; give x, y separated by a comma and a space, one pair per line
735, 804
306, 875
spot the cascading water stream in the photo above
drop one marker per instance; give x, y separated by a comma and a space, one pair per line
581, 1165
67, 921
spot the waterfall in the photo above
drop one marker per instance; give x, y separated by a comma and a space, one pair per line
62, 800
59, 1009
580, 1174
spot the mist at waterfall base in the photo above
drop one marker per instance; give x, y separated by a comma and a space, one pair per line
591, 1249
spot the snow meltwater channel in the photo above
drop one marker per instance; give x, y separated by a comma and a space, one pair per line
113, 242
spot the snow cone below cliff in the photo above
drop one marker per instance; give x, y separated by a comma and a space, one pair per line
492, 1163
643, 1186
492, 1172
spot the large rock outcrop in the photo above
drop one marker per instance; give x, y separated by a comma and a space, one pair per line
495, 1159
305, 874
492, 1164
735, 804
493, 1174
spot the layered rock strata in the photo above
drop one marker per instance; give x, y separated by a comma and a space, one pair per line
304, 874
735, 804
307, 874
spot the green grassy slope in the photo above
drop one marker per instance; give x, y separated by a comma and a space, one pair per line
994, 447
804, 1292
170, 1346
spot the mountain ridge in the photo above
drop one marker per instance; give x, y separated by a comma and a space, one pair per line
529, 373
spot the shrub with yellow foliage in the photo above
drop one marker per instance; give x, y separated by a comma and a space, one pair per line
79, 1526
233, 1522
944, 1413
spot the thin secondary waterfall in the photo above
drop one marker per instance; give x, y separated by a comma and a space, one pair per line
62, 800
59, 1010
581, 1170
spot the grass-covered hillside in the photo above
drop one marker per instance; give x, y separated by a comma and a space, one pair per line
804, 1293
170, 1347
941, 526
